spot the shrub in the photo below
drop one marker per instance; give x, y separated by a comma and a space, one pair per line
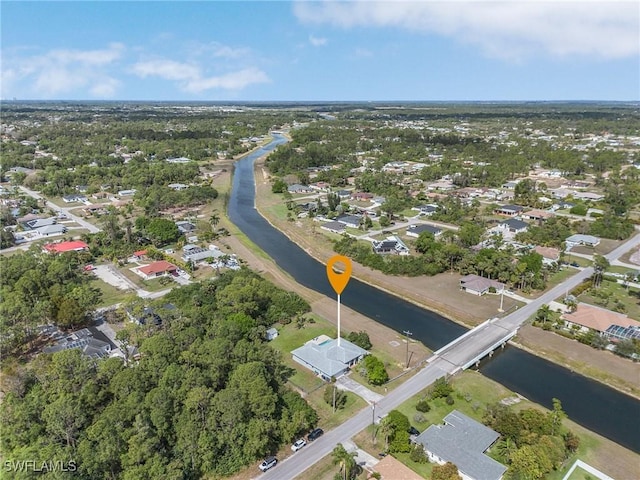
423, 406
419, 418
418, 454
360, 339
450, 400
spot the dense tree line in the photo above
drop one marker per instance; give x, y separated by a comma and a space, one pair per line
39, 288
532, 443
207, 397
438, 256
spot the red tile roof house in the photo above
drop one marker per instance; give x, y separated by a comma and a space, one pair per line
61, 247
589, 317
157, 269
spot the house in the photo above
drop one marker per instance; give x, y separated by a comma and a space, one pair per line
510, 185
588, 196
127, 193
537, 215
38, 223
344, 194
416, 230
74, 198
335, 227
61, 247
362, 196
147, 317
51, 230
580, 239
158, 269
390, 246
195, 254
615, 326
549, 255
320, 186
98, 209
297, 188
512, 226
138, 255
426, 210
178, 186
178, 160
84, 339
462, 441
391, 469
508, 210
185, 227
477, 285
327, 357
271, 334
352, 221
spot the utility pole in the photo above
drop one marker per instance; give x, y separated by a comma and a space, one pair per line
407, 333
373, 421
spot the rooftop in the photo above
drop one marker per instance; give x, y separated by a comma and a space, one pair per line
462, 441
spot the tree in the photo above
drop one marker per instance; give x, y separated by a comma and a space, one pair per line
525, 464
557, 415
335, 397
214, 219
360, 339
374, 370
162, 231
600, 265
279, 186
384, 221
347, 462
448, 471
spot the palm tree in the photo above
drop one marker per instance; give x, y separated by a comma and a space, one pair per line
348, 466
214, 219
600, 265
506, 447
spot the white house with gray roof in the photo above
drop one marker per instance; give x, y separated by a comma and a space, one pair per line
462, 441
326, 358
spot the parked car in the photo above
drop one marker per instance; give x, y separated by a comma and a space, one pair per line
413, 430
317, 433
298, 444
268, 463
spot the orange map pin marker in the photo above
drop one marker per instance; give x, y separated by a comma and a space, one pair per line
339, 280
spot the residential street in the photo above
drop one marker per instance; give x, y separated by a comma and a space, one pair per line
436, 367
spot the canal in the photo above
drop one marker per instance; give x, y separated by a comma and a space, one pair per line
597, 407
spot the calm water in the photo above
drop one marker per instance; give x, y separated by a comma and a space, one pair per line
592, 404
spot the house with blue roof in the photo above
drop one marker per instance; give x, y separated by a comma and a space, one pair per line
328, 357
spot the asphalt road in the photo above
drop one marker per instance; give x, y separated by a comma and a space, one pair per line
446, 361
92, 228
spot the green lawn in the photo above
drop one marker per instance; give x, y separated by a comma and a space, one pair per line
615, 292
580, 474
110, 294
328, 419
291, 337
560, 276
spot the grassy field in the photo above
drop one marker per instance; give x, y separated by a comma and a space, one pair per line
614, 292
110, 294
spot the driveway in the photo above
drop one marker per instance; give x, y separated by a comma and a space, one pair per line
346, 383
110, 275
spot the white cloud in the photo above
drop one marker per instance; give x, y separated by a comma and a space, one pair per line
506, 29
363, 52
191, 78
167, 69
230, 81
60, 72
317, 41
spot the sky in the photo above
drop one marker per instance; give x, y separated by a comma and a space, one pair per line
420, 50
